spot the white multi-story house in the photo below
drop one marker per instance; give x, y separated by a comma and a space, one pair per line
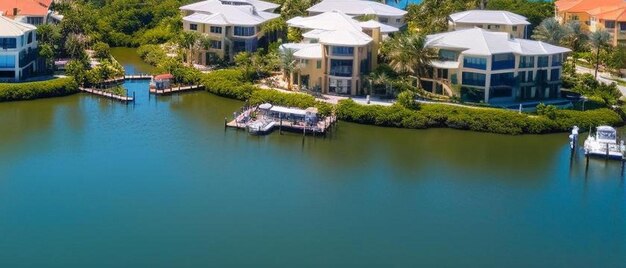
35, 12
18, 50
384, 13
492, 20
232, 25
336, 51
493, 67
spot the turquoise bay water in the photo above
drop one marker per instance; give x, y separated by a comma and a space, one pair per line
87, 182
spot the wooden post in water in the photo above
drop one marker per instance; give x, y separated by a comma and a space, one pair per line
133, 98
280, 126
607, 151
225, 122
587, 162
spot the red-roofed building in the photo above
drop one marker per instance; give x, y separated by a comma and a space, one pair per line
594, 15
33, 12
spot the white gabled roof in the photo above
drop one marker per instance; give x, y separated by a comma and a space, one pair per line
489, 17
481, 42
208, 5
357, 7
11, 28
304, 50
384, 28
217, 13
332, 28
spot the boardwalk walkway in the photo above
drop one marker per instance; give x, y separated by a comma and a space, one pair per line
174, 89
107, 94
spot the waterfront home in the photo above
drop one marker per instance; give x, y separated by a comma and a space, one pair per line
35, 12
384, 13
336, 52
232, 25
594, 15
18, 50
493, 67
492, 20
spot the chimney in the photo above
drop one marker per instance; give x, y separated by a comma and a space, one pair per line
15, 11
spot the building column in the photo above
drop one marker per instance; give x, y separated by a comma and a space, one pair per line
355, 71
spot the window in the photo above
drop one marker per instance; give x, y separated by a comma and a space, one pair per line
343, 51
473, 79
193, 27
7, 61
341, 68
514, 28
398, 20
30, 37
475, 63
8, 43
609, 24
622, 26
527, 62
503, 61
215, 44
555, 74
542, 61
34, 20
557, 59
383, 20
319, 64
244, 31
215, 29
503, 79
447, 55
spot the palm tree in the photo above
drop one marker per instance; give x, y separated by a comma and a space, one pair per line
575, 38
289, 64
408, 54
599, 40
188, 40
549, 31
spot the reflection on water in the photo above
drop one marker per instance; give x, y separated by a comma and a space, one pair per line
161, 183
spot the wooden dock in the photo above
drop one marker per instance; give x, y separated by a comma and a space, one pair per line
138, 77
109, 95
321, 127
173, 90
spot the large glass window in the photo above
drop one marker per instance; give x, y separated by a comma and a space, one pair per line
8, 43
447, 55
216, 44
193, 27
503, 79
342, 51
7, 61
503, 61
473, 79
30, 37
609, 24
557, 59
215, 29
542, 61
34, 20
555, 74
527, 62
341, 68
475, 63
244, 31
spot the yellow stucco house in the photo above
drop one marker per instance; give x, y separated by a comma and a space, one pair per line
594, 15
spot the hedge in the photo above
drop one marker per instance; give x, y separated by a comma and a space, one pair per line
34, 90
228, 83
484, 120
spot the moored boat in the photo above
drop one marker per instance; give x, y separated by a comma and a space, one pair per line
604, 143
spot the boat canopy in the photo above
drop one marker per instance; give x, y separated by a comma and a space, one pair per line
606, 133
265, 106
285, 110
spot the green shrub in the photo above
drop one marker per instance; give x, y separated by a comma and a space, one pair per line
228, 83
476, 119
152, 54
102, 50
35, 90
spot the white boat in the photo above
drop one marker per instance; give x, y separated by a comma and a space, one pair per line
604, 143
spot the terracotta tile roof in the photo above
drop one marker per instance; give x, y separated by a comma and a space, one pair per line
584, 5
25, 7
617, 14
